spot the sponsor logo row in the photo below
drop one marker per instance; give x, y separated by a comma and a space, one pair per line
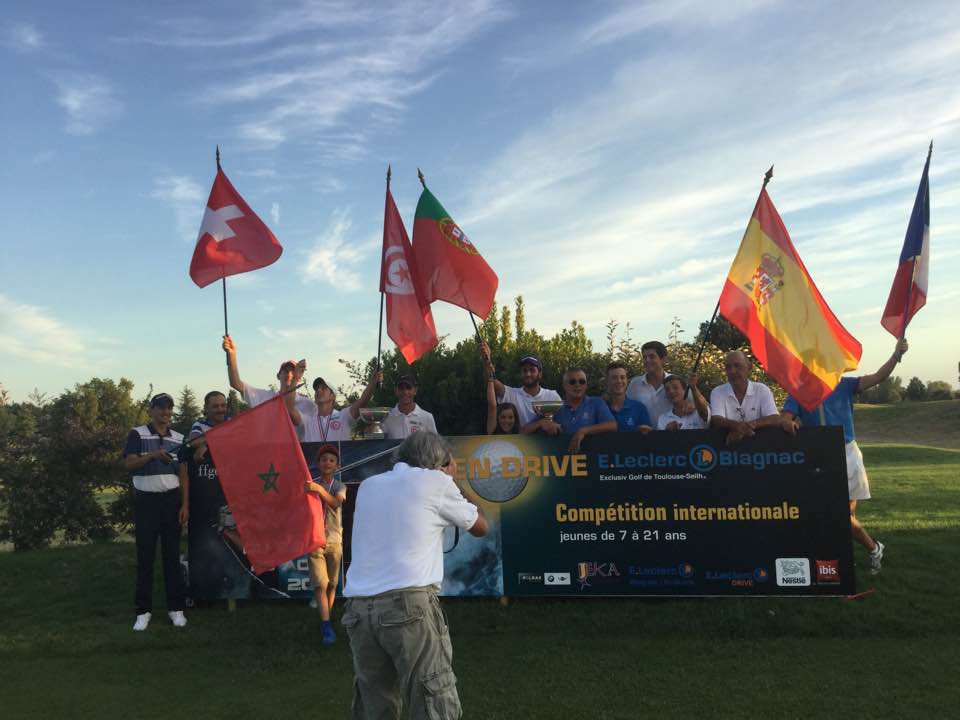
788, 572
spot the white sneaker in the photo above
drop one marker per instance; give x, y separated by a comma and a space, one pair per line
143, 619
177, 618
875, 556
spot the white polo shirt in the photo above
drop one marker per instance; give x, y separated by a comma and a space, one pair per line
255, 396
693, 421
398, 425
334, 427
523, 401
654, 398
398, 525
758, 402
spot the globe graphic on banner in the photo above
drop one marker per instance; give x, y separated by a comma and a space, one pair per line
496, 487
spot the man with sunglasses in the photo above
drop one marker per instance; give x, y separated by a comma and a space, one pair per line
742, 406
581, 414
406, 417
529, 391
322, 422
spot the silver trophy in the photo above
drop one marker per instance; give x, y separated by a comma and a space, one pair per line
547, 408
373, 416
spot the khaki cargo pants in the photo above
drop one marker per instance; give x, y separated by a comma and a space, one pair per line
401, 655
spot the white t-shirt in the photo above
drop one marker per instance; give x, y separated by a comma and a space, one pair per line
398, 425
398, 525
255, 396
758, 402
654, 398
336, 426
523, 401
693, 421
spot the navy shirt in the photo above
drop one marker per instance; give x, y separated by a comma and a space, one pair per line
156, 475
592, 410
631, 416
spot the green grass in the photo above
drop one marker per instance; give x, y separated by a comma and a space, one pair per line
67, 650
936, 424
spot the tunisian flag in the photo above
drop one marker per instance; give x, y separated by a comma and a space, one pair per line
771, 298
232, 238
450, 267
909, 291
409, 320
262, 471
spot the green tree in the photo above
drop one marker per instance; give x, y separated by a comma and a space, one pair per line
723, 335
916, 390
234, 404
888, 391
29, 502
186, 411
939, 390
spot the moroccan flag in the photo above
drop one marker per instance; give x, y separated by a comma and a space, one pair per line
262, 471
409, 320
909, 291
232, 238
771, 298
450, 267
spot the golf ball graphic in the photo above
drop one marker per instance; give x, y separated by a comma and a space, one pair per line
495, 487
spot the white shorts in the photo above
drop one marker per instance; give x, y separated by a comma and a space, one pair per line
858, 487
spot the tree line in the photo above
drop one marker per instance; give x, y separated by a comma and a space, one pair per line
61, 473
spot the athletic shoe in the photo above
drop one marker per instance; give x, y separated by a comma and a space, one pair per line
177, 618
143, 619
876, 555
329, 636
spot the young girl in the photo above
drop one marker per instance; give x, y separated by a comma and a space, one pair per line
502, 419
675, 390
325, 561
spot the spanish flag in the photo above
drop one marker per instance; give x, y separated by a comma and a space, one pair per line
771, 298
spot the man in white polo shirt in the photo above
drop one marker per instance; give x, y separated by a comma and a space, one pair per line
321, 422
406, 417
648, 388
289, 375
398, 633
529, 391
741, 405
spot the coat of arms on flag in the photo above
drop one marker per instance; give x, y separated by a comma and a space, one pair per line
765, 283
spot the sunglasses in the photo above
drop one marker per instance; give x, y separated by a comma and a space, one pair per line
577, 381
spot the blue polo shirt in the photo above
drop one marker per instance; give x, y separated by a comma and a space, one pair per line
632, 415
837, 409
591, 411
156, 475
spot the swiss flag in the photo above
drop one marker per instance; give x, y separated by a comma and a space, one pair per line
232, 238
409, 320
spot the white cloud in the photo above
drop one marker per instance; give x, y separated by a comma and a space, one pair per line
31, 333
23, 37
335, 257
275, 213
89, 101
187, 200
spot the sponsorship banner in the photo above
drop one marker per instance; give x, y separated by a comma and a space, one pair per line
663, 514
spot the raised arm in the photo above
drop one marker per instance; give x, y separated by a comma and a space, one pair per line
361, 402
233, 373
498, 387
868, 381
491, 403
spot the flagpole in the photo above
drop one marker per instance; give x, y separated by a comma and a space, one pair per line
382, 293
696, 365
913, 274
223, 278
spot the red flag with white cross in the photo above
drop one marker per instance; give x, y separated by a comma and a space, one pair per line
232, 238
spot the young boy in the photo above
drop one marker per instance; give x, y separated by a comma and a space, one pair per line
325, 561
675, 390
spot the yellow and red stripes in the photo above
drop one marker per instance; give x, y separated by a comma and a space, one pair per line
771, 298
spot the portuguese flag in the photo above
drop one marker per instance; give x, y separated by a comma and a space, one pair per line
771, 298
449, 266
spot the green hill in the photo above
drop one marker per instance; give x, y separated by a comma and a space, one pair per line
914, 423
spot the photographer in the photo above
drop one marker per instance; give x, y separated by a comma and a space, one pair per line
398, 633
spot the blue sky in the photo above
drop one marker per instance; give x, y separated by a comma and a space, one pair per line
604, 157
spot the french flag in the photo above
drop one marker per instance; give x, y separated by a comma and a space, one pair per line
909, 291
